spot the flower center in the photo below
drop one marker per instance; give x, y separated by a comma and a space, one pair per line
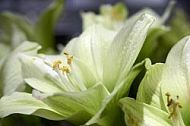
173, 107
67, 74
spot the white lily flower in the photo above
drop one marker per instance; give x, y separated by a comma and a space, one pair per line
112, 17
163, 95
85, 82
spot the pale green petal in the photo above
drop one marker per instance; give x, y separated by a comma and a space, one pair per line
43, 86
141, 114
149, 90
110, 114
11, 73
53, 58
124, 50
69, 47
160, 20
167, 12
35, 70
84, 73
91, 48
27, 47
88, 19
176, 76
78, 107
24, 103
5, 49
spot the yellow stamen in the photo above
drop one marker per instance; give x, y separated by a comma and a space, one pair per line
65, 69
179, 105
69, 60
56, 64
168, 94
66, 53
69, 57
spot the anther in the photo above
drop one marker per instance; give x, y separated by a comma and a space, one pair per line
171, 114
56, 64
168, 94
65, 69
168, 99
69, 60
66, 53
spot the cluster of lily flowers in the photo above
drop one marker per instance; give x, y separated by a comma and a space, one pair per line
89, 81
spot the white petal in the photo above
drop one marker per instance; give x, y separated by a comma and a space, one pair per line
141, 114
124, 50
176, 76
149, 90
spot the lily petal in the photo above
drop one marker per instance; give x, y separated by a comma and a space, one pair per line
78, 107
149, 90
176, 75
124, 50
24, 103
39, 75
11, 75
141, 114
110, 114
91, 47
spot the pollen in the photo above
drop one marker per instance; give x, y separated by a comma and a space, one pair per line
56, 64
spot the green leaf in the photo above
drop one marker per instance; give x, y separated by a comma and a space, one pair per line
141, 114
176, 75
124, 50
24, 103
44, 28
110, 114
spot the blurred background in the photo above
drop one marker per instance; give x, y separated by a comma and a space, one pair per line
70, 24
